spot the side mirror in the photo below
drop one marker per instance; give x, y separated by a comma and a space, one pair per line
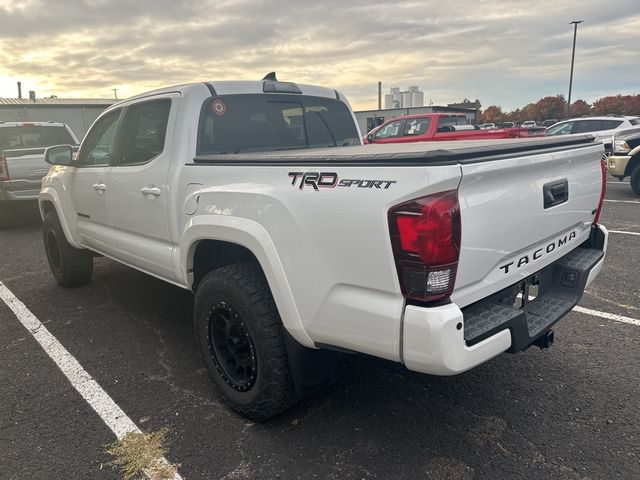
370, 137
59, 155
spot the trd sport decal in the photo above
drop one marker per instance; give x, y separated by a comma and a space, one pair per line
318, 180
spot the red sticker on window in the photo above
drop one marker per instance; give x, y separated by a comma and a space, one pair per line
218, 107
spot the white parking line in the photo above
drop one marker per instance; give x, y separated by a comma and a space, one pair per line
609, 316
622, 201
618, 183
625, 233
110, 413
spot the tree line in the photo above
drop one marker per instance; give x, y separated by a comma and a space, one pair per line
555, 107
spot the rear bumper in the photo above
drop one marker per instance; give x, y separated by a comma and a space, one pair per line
446, 340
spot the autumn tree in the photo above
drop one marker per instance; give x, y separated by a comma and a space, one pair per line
492, 114
548, 107
515, 116
617, 105
555, 107
579, 108
528, 112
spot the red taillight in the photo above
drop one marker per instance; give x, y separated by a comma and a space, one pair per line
425, 235
603, 170
4, 169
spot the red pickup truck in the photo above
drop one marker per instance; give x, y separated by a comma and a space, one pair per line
440, 126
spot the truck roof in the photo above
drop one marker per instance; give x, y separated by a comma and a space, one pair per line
237, 87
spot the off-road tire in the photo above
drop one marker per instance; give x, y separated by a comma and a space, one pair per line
635, 180
71, 267
241, 291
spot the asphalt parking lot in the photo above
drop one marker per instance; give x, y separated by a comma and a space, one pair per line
570, 412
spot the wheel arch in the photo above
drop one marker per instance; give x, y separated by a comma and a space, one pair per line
212, 241
48, 201
633, 162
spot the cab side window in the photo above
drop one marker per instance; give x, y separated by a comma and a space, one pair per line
416, 126
390, 130
560, 129
144, 131
586, 126
97, 148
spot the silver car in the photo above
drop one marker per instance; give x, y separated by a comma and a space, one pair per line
600, 127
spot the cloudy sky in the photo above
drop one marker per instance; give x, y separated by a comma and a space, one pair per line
504, 52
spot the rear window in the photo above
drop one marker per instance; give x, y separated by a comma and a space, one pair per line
611, 124
454, 120
264, 122
34, 137
635, 121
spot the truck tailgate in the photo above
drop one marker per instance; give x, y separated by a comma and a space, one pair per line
508, 233
26, 164
26, 169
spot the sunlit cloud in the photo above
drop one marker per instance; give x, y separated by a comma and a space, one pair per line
505, 52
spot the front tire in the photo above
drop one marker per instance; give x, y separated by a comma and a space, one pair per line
241, 338
70, 266
635, 180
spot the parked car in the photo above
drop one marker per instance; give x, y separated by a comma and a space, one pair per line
529, 124
440, 127
488, 126
508, 125
411, 253
625, 158
549, 122
601, 127
22, 164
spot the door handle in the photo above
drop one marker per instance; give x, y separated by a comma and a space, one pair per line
99, 187
151, 190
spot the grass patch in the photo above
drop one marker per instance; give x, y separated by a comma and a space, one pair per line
140, 454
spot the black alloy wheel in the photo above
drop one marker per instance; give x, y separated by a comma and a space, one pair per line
242, 341
231, 347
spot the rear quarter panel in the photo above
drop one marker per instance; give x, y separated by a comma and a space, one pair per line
340, 281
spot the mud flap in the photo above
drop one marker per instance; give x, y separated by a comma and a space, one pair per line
312, 369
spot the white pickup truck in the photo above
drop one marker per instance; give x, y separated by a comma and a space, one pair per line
22, 164
299, 242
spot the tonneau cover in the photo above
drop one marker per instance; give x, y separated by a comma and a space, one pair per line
432, 153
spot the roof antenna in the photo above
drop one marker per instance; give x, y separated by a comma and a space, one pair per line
270, 76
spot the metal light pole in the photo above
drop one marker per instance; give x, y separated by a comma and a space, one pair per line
573, 56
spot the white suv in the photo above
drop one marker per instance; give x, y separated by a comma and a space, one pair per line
601, 127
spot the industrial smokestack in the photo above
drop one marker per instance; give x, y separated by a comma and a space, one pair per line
19, 89
379, 95
32, 95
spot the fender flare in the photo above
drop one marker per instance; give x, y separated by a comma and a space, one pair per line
51, 195
255, 238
